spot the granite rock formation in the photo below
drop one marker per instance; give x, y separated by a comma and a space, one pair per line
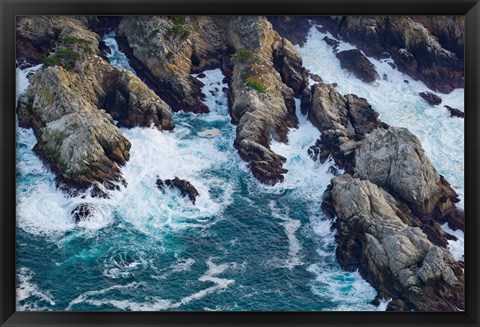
375, 236
70, 104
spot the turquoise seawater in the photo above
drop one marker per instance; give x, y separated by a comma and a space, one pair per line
243, 246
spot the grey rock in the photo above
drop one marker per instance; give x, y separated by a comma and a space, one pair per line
398, 259
395, 160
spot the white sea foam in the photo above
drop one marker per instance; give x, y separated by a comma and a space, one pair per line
116, 57
28, 290
22, 78
216, 99
305, 176
457, 248
156, 303
85, 297
43, 209
123, 264
291, 226
399, 104
180, 266
309, 179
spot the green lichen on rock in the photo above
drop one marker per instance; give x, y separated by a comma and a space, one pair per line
62, 57
255, 83
244, 56
179, 26
48, 95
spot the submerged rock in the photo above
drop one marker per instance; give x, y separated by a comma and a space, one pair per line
373, 235
430, 98
83, 212
454, 112
185, 187
355, 62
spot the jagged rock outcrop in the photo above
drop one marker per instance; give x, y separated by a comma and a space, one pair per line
430, 98
36, 36
375, 236
454, 112
411, 42
79, 141
355, 62
185, 187
166, 50
261, 103
83, 212
428, 48
67, 103
263, 70
395, 160
449, 30
291, 28
343, 121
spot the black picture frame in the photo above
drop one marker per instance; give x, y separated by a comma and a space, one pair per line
10, 8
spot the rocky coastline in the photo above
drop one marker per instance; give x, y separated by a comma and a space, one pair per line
387, 200
427, 48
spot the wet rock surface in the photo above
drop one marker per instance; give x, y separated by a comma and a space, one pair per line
263, 70
430, 98
411, 41
428, 48
355, 62
390, 205
185, 187
454, 112
83, 212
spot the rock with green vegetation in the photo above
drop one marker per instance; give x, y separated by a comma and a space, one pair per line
262, 104
72, 103
162, 52
38, 36
79, 141
263, 70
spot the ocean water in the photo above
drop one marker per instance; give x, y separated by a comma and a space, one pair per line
243, 246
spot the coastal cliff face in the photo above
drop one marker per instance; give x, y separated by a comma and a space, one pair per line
389, 202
